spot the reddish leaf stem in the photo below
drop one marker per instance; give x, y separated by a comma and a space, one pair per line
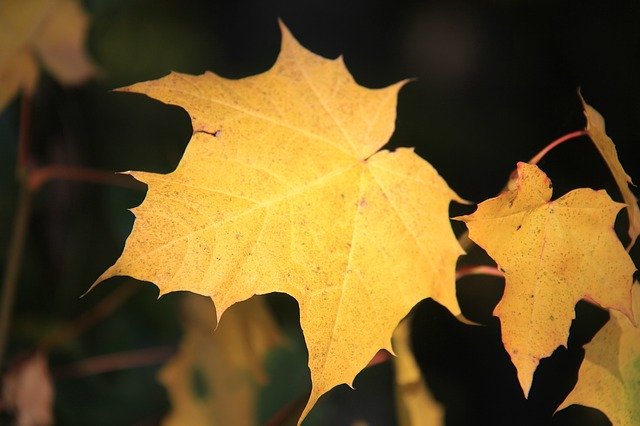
573, 135
465, 271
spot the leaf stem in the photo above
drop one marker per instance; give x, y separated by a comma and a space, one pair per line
465, 271
573, 135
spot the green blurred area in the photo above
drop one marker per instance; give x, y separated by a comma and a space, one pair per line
495, 82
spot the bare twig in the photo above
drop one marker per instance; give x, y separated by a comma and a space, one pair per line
42, 175
12, 267
16, 243
30, 180
90, 318
478, 270
114, 362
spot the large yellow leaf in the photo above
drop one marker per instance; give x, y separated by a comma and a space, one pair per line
609, 377
596, 131
214, 378
281, 190
553, 253
47, 31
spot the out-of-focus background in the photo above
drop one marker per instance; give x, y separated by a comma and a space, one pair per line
495, 81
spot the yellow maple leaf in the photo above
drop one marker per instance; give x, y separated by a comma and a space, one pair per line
553, 254
609, 377
281, 190
214, 378
596, 131
48, 31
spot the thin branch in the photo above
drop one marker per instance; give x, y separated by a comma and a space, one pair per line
573, 135
465, 271
12, 267
18, 237
42, 175
90, 318
114, 362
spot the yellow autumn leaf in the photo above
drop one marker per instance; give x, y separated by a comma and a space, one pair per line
50, 32
281, 190
596, 131
609, 377
213, 380
416, 405
553, 254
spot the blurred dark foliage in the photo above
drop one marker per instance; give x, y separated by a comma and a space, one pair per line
496, 81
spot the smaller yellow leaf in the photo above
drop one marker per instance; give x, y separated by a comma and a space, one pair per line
596, 131
48, 31
214, 378
553, 254
416, 405
609, 378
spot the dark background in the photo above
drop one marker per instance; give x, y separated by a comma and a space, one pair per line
496, 81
